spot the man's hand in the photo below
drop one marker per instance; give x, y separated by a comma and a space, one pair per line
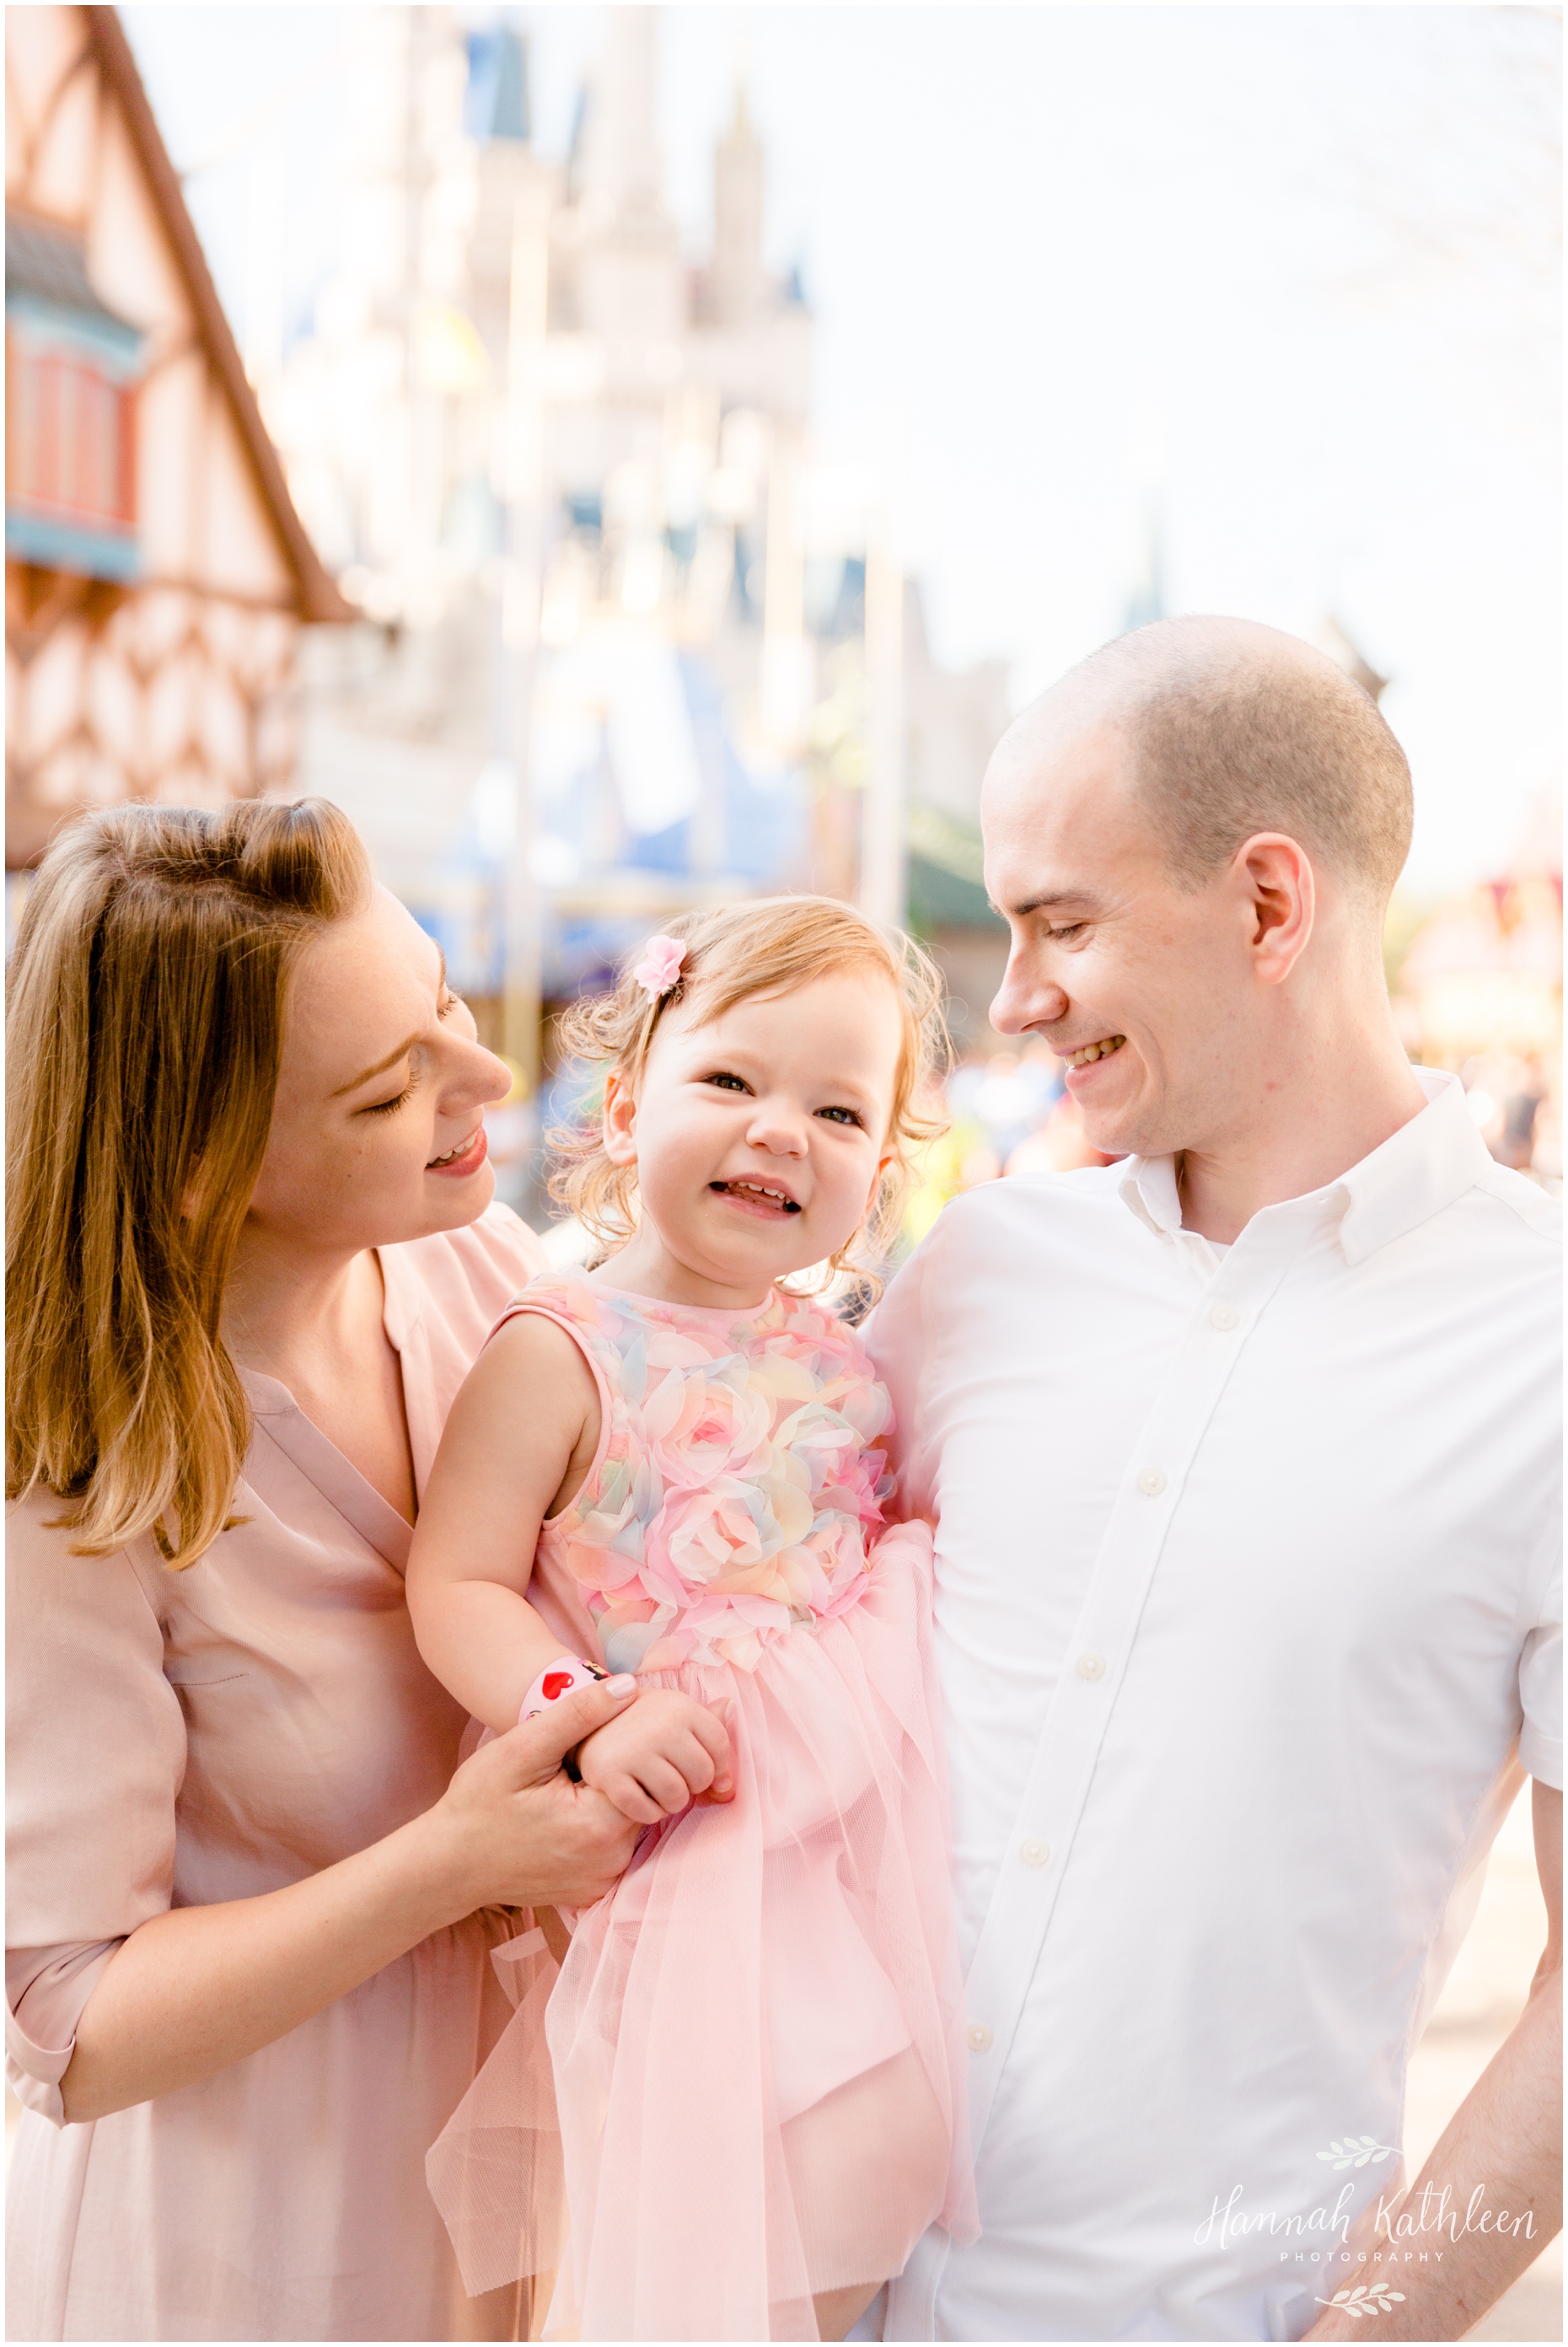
1502, 2151
523, 1834
654, 1761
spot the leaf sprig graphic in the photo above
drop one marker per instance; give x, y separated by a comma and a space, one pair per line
1356, 2151
1367, 2298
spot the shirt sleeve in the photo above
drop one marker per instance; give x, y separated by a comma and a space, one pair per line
1541, 1686
95, 1757
47, 1993
896, 1338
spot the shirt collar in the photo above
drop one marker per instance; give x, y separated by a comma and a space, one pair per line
1149, 1187
1417, 1171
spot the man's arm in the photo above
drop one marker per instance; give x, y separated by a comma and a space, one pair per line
1499, 2160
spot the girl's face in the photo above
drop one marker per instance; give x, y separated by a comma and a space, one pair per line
758, 1138
378, 1124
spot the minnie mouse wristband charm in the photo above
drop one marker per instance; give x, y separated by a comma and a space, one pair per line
558, 1679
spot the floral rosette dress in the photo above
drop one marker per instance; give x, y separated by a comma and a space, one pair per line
745, 2084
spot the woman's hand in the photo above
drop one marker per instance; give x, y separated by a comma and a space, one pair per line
201, 1987
655, 1760
518, 1832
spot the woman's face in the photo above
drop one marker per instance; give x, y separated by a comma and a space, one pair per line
378, 1127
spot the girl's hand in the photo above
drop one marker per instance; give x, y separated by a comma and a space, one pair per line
659, 1757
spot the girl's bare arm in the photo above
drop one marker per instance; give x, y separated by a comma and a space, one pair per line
521, 1438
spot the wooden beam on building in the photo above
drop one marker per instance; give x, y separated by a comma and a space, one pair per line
319, 599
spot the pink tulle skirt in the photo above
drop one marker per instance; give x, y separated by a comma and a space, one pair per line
745, 2084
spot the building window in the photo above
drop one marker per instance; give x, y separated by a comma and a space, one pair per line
71, 368
69, 439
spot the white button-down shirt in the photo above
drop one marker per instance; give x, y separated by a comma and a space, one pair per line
1248, 1603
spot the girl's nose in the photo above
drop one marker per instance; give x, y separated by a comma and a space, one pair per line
778, 1129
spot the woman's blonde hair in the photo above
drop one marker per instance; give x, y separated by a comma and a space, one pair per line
771, 944
148, 996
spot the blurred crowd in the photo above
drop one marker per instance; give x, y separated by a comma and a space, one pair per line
1519, 1113
1007, 1112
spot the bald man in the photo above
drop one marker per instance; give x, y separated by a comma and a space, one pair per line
1242, 1452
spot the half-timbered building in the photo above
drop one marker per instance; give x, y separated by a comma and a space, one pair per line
156, 575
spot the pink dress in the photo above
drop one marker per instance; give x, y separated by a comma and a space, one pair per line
754, 2039
177, 1738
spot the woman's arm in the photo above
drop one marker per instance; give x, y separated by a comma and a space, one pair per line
521, 1438
198, 1988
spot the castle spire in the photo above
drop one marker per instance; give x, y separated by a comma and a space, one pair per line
737, 283
622, 173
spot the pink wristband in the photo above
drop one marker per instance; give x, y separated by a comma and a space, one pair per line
566, 1672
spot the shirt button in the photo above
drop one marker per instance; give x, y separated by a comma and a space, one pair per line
1035, 1853
1091, 1667
1150, 1482
1222, 1316
979, 2037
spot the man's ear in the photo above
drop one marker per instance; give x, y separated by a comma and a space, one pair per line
620, 1121
1276, 874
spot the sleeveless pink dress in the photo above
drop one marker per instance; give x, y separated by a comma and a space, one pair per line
753, 2089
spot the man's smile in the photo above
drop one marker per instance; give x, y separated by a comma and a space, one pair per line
1089, 1052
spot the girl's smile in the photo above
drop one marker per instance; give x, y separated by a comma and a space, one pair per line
768, 1198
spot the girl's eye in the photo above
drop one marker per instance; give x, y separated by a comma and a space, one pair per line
840, 1115
385, 1108
728, 1083
449, 1003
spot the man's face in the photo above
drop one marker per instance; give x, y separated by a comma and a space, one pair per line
1144, 988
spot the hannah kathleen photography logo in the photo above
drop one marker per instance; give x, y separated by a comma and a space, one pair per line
1357, 2151
1398, 2231
1367, 2298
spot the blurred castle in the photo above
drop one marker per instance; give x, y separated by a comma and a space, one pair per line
157, 574
615, 650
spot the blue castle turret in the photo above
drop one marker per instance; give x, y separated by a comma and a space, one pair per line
496, 102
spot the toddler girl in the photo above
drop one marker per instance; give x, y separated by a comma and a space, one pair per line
671, 1465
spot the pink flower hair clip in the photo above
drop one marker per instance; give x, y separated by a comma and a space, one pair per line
660, 969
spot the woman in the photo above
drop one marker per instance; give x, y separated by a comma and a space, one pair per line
251, 1255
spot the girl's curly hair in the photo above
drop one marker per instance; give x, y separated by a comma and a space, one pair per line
769, 945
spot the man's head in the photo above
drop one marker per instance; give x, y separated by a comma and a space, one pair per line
1193, 837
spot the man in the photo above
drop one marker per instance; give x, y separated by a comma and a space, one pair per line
1242, 1453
